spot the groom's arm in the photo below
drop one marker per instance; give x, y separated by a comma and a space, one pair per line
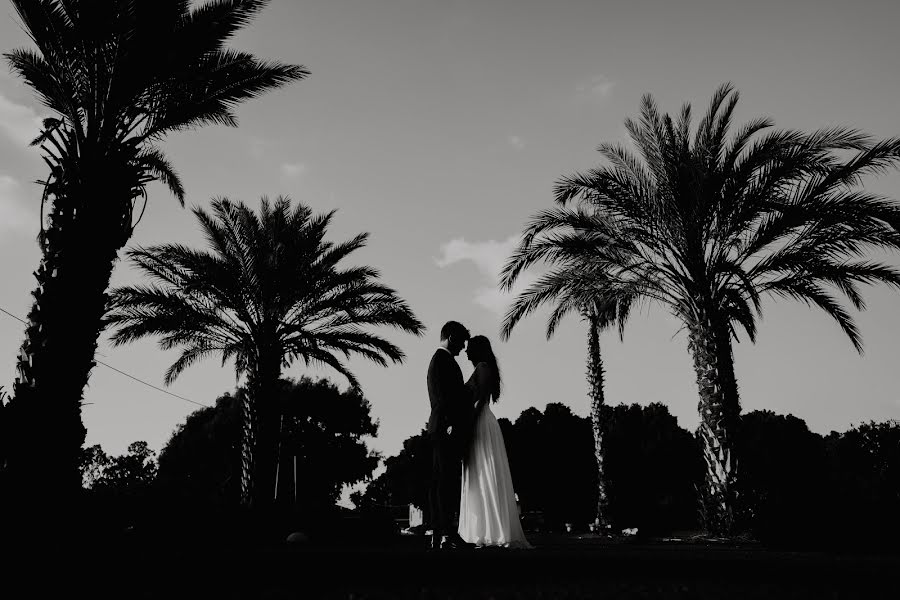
441, 391
456, 394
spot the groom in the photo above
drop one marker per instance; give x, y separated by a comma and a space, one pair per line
448, 430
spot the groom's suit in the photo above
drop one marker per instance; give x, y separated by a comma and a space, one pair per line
450, 407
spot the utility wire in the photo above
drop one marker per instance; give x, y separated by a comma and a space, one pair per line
100, 362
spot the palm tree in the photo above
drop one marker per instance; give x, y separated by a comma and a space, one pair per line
707, 226
118, 76
267, 293
570, 286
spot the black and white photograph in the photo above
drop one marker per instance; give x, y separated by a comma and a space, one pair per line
375, 299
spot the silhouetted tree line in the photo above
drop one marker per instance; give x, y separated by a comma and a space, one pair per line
131, 473
652, 466
797, 488
802, 488
117, 489
314, 422
313, 430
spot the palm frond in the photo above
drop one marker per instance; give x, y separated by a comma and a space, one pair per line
39, 75
211, 24
159, 168
187, 358
815, 295
225, 79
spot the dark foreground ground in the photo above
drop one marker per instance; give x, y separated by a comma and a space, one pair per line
561, 566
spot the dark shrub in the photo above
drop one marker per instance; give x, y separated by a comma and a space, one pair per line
864, 487
652, 465
782, 484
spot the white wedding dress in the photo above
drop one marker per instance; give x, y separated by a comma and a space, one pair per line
488, 514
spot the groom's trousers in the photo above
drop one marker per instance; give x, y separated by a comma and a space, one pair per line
444, 491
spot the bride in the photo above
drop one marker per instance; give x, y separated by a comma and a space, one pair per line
488, 515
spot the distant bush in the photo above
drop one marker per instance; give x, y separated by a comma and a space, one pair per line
321, 431
863, 487
652, 466
117, 490
782, 479
551, 457
802, 490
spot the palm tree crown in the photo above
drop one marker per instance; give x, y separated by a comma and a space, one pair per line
692, 221
115, 89
270, 286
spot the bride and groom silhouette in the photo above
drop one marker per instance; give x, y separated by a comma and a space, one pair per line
470, 466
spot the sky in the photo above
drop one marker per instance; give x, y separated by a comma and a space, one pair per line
440, 126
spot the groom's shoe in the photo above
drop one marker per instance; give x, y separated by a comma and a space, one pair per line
458, 539
451, 544
455, 542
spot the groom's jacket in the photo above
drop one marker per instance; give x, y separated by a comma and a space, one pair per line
447, 392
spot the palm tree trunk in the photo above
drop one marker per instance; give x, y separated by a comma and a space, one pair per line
79, 250
595, 381
249, 427
709, 342
4, 434
262, 386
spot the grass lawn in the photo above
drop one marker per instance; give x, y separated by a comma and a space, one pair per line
561, 566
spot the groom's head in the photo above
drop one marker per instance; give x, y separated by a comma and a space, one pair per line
454, 336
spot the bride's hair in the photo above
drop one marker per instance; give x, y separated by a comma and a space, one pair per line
480, 350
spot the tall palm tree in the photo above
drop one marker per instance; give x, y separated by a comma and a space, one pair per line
118, 76
268, 292
707, 226
569, 285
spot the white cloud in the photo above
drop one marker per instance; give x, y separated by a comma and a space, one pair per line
19, 122
516, 142
599, 87
489, 258
293, 170
14, 213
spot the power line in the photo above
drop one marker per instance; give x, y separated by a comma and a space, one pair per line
13, 316
159, 389
100, 362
